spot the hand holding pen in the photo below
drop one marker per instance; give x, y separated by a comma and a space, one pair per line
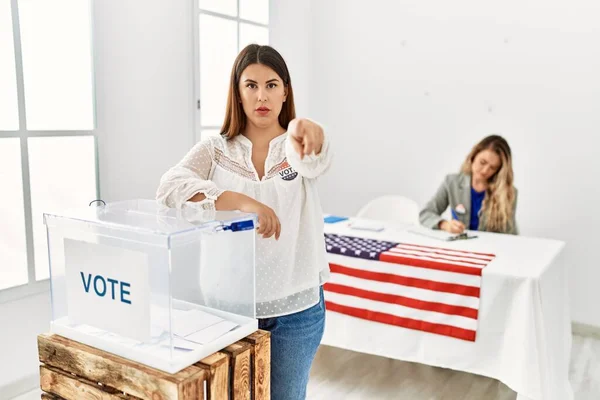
454, 225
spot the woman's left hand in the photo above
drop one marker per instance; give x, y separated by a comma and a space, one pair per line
306, 136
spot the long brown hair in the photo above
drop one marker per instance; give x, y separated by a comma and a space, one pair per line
500, 196
235, 118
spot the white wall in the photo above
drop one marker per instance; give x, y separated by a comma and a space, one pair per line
290, 33
144, 92
22, 320
144, 85
144, 77
407, 87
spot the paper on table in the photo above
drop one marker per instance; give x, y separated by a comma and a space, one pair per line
159, 313
365, 225
198, 339
212, 332
433, 233
183, 323
193, 321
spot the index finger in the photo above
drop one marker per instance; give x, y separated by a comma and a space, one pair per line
298, 147
309, 145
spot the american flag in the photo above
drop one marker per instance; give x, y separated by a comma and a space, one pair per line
431, 289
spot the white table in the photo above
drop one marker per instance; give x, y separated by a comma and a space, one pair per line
524, 332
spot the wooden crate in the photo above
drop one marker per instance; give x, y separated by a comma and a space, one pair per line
70, 370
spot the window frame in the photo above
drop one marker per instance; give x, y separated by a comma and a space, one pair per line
33, 286
198, 126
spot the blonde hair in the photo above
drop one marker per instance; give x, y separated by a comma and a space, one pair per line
500, 196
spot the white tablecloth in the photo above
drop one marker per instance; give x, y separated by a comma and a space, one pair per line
524, 333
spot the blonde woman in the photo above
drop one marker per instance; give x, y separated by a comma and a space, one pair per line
481, 197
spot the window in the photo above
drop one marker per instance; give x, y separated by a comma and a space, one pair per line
47, 142
224, 27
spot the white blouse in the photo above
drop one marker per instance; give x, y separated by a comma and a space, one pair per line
289, 271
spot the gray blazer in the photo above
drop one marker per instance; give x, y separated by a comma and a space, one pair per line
455, 190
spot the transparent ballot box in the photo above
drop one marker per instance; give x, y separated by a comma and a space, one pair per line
163, 287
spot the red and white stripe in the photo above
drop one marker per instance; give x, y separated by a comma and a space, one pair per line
417, 287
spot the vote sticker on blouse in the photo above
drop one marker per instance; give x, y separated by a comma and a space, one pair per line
286, 172
460, 209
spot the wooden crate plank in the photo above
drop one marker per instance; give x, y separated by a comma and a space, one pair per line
68, 386
240, 354
217, 367
124, 375
49, 396
260, 342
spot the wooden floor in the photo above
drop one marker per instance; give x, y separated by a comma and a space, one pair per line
341, 374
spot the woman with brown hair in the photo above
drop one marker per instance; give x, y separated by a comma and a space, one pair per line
266, 161
481, 197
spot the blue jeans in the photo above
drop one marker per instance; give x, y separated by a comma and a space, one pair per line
294, 342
